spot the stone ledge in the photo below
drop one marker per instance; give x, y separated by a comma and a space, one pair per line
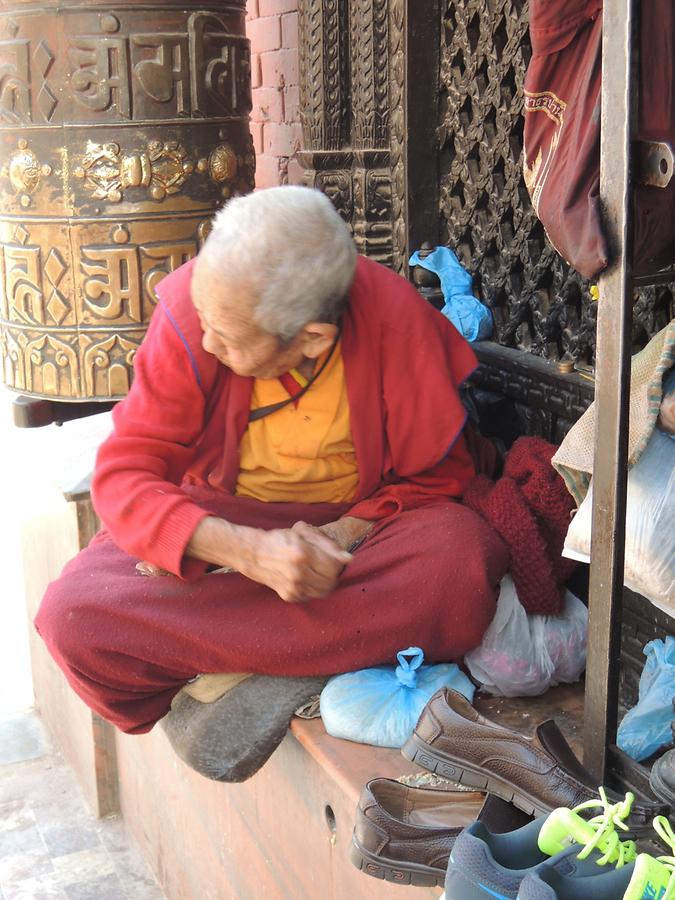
284, 834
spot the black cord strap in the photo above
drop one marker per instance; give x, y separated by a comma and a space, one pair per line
262, 411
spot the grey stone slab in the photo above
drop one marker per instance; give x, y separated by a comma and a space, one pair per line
142, 890
15, 779
62, 839
60, 791
22, 738
18, 867
135, 875
36, 779
113, 833
16, 814
71, 811
53, 848
132, 870
108, 888
86, 865
21, 840
38, 888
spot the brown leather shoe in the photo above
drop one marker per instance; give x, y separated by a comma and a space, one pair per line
405, 834
537, 774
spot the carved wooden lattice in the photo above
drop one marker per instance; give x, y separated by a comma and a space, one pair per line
539, 302
359, 95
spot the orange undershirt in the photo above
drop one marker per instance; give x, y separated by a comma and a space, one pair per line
302, 453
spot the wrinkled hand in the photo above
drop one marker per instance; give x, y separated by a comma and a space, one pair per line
299, 563
347, 532
148, 568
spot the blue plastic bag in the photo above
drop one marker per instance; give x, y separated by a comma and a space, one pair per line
467, 314
646, 727
381, 706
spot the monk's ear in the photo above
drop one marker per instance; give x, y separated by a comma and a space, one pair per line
317, 337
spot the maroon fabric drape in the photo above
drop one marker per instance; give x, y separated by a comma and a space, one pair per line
562, 130
127, 643
530, 508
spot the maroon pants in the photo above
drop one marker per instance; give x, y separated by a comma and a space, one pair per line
128, 642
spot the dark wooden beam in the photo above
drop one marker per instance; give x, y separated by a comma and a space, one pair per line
423, 37
612, 387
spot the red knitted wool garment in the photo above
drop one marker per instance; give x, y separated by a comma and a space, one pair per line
530, 508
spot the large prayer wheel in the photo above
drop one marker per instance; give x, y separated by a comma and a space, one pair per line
122, 129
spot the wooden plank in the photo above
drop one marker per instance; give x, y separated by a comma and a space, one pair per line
282, 835
422, 61
565, 704
612, 386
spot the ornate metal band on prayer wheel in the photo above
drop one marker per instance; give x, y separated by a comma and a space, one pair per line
122, 129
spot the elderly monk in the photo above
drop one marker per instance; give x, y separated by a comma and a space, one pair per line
287, 467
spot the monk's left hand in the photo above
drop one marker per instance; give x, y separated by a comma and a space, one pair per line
347, 531
148, 568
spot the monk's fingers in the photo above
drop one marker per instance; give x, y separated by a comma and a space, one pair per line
298, 592
322, 542
321, 570
148, 568
309, 586
305, 584
295, 567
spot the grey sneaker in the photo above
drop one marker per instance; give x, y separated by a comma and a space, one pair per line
484, 865
646, 878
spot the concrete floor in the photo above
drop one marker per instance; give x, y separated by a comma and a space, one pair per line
51, 846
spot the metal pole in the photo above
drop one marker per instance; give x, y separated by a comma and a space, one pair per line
612, 385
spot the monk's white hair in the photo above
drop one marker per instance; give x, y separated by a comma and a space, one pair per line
291, 249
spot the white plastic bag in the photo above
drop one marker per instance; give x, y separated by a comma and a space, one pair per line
650, 525
521, 655
381, 705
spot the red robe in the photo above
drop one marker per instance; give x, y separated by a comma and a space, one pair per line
426, 575
184, 418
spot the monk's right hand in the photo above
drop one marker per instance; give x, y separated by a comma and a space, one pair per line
299, 563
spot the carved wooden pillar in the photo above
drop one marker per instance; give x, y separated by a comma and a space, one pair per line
123, 126
324, 99
344, 98
369, 139
371, 176
397, 99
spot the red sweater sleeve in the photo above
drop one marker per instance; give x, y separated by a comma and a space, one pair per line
445, 480
135, 487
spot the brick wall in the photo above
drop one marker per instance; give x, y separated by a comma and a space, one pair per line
272, 27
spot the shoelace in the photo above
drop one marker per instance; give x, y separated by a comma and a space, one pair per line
665, 831
605, 825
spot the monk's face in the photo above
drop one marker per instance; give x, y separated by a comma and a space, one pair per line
233, 336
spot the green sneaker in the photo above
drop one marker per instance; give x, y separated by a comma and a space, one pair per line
647, 878
485, 865
565, 827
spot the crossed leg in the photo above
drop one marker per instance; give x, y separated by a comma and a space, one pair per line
127, 643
